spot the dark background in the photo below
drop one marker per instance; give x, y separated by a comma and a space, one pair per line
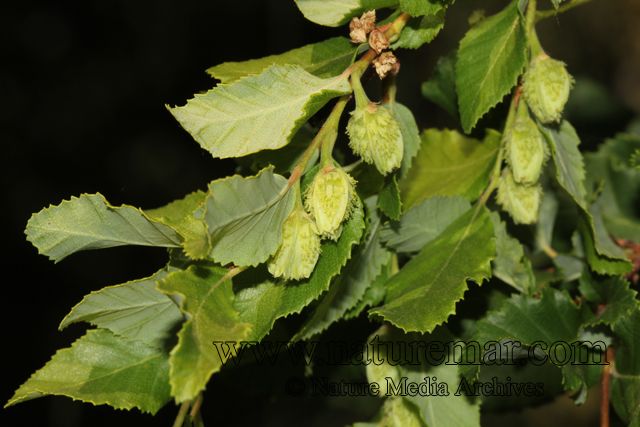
82, 92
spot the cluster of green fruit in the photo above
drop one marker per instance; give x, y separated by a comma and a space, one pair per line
546, 89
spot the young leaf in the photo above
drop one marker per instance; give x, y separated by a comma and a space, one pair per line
389, 199
207, 300
424, 293
103, 368
613, 292
134, 310
257, 112
448, 164
424, 7
625, 387
491, 57
510, 264
184, 216
423, 223
420, 30
410, 135
90, 222
261, 299
334, 13
325, 59
441, 86
350, 286
244, 217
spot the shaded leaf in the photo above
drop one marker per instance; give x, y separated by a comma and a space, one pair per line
448, 164
441, 86
334, 13
423, 223
625, 387
389, 198
613, 292
261, 299
345, 292
424, 293
257, 112
373, 296
134, 310
285, 159
184, 216
207, 301
491, 57
420, 30
424, 7
510, 265
410, 135
103, 368
244, 217
90, 222
325, 59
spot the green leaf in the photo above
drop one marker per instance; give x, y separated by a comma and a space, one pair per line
261, 299
345, 292
546, 220
602, 253
491, 57
510, 265
184, 216
134, 310
389, 199
424, 293
441, 86
420, 30
448, 164
424, 7
373, 296
625, 387
556, 4
206, 298
285, 159
611, 165
423, 223
103, 368
325, 59
613, 292
90, 222
244, 217
334, 13
410, 135
564, 142
257, 112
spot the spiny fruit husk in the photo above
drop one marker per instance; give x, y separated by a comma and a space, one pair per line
546, 88
397, 412
520, 200
297, 255
526, 150
330, 200
375, 136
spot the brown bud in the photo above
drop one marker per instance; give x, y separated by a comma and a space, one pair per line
385, 63
378, 40
362, 26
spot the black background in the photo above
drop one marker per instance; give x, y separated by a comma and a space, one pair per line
82, 92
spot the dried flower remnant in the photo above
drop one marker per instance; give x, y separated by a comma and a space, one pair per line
360, 27
378, 40
385, 63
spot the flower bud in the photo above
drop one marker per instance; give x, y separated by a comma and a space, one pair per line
375, 136
297, 255
520, 200
526, 150
546, 88
330, 200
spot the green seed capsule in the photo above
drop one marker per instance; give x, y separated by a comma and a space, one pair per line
375, 136
520, 200
330, 201
297, 255
546, 88
526, 150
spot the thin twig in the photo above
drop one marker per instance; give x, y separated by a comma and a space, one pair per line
182, 413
